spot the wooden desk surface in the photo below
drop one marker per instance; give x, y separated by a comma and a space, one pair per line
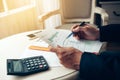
14, 46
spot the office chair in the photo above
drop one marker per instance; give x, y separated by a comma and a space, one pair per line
77, 11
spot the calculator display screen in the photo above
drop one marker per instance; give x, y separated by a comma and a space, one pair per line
17, 67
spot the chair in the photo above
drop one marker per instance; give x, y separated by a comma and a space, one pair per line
77, 11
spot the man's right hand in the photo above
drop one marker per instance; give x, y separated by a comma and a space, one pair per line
87, 32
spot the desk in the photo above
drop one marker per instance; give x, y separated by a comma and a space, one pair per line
14, 46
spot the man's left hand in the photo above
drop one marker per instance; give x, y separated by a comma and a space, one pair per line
69, 56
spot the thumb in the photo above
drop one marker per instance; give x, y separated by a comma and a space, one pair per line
58, 46
54, 49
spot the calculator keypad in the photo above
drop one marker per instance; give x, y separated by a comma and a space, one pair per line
36, 63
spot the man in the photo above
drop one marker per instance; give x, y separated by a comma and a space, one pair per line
105, 66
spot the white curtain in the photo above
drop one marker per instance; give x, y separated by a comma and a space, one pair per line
46, 6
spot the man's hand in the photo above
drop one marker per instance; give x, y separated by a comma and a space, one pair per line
87, 31
69, 56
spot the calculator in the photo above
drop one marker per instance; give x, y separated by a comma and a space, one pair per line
26, 66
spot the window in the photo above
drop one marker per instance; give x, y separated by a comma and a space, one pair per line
1, 6
9, 5
17, 16
13, 4
22, 15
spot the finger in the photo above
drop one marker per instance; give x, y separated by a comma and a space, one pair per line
67, 63
53, 49
58, 46
64, 53
75, 33
78, 32
74, 26
76, 66
81, 35
57, 51
85, 31
76, 29
76, 37
87, 34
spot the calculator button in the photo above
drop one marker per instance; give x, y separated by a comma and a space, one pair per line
43, 62
26, 61
37, 59
39, 63
36, 67
34, 59
45, 65
28, 65
29, 68
33, 67
41, 66
36, 63
30, 60
31, 64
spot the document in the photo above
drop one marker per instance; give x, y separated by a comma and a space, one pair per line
56, 37
50, 57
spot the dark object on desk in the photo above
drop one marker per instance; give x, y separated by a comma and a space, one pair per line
31, 35
26, 66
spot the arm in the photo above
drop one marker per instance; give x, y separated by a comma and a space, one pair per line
110, 33
105, 66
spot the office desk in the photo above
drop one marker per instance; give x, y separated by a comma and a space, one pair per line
14, 46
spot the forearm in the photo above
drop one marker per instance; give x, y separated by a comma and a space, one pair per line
90, 66
100, 67
110, 33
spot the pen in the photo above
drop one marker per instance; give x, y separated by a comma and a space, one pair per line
82, 24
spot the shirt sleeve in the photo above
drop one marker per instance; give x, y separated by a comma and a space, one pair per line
105, 66
110, 33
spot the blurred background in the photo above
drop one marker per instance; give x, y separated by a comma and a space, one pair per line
18, 16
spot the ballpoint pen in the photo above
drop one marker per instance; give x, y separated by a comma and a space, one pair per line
82, 24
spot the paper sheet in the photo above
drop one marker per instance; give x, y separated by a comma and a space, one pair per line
51, 57
56, 37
